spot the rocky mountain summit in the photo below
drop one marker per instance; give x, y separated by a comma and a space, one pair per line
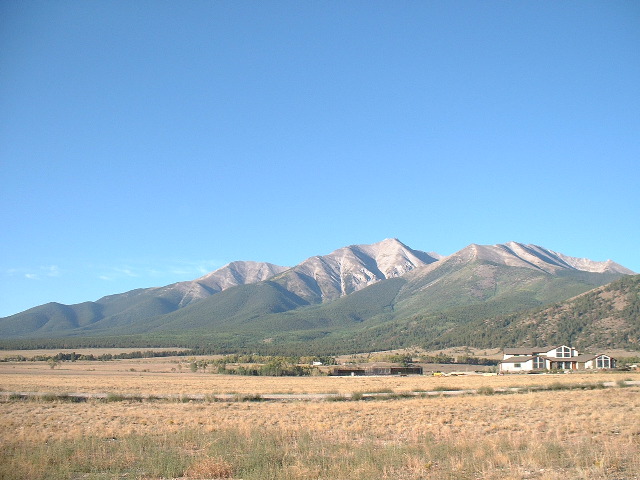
532, 256
231, 275
366, 296
349, 269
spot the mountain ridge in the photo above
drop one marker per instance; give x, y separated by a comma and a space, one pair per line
348, 269
379, 291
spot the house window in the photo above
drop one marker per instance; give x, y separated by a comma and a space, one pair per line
563, 365
517, 365
538, 362
603, 362
563, 352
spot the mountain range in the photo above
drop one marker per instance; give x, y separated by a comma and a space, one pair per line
357, 298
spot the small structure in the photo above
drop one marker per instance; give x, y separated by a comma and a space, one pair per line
347, 372
376, 369
390, 370
561, 357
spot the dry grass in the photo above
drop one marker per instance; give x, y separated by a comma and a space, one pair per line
547, 435
209, 468
163, 376
610, 414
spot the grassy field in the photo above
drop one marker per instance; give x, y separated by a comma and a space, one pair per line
546, 435
166, 376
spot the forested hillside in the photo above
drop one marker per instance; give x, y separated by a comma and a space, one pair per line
605, 317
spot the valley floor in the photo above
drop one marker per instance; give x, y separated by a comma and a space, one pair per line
551, 434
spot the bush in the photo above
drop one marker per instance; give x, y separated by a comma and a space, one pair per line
114, 397
336, 398
486, 390
249, 397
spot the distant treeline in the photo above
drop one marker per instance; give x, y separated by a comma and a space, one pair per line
465, 359
440, 358
72, 357
273, 362
272, 366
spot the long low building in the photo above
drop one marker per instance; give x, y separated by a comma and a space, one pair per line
375, 369
560, 357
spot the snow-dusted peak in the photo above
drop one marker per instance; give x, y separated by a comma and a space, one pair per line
230, 275
533, 256
584, 264
352, 268
239, 273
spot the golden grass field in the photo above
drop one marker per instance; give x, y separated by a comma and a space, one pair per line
172, 376
547, 435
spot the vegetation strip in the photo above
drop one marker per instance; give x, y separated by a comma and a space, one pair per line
355, 396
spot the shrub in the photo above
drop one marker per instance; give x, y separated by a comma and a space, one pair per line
558, 386
114, 397
486, 390
336, 398
249, 397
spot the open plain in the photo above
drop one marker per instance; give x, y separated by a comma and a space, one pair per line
557, 432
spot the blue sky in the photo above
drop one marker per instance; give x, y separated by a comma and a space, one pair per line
144, 143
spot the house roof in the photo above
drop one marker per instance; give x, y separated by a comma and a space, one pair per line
528, 350
518, 359
585, 357
518, 351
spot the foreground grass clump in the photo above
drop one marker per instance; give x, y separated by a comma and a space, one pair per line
258, 454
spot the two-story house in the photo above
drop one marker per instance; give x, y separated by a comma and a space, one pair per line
559, 357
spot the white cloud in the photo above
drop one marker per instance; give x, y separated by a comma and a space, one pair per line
127, 271
184, 269
114, 273
39, 273
51, 270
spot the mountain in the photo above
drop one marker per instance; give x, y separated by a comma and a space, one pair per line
478, 282
350, 269
605, 317
54, 319
318, 279
357, 298
532, 256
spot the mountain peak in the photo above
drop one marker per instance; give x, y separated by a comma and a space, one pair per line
238, 273
517, 254
352, 268
237, 292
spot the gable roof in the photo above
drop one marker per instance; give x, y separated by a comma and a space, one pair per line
585, 357
518, 351
518, 359
529, 350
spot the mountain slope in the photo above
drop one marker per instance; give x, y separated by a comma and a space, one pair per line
350, 269
605, 317
528, 274
475, 283
361, 297
133, 307
318, 279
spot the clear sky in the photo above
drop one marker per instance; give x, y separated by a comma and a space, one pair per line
148, 142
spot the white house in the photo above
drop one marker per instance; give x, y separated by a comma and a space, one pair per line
559, 357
